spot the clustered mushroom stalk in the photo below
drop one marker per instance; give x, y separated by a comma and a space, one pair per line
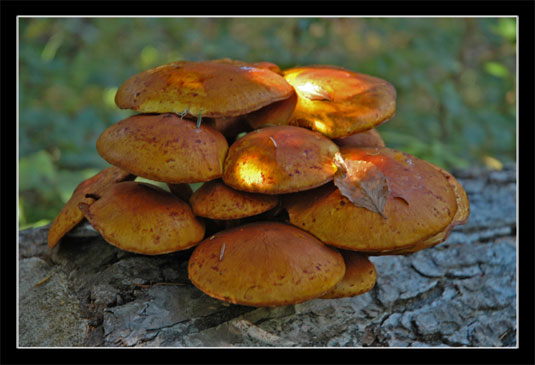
297, 188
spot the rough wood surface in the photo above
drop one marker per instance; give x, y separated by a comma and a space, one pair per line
462, 292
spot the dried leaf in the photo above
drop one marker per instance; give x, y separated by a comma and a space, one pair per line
362, 183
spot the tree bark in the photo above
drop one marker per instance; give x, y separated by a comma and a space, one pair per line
462, 292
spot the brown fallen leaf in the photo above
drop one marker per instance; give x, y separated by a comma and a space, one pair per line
362, 183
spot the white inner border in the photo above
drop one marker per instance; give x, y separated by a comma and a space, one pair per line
265, 16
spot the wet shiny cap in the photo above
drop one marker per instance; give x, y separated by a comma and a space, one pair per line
164, 147
337, 102
205, 88
265, 264
215, 200
70, 215
143, 218
419, 203
279, 160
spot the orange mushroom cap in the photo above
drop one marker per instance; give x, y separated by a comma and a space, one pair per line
215, 200
338, 102
369, 138
265, 264
359, 278
461, 217
209, 88
278, 160
164, 148
70, 215
419, 205
143, 218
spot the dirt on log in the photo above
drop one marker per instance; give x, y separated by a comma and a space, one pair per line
462, 292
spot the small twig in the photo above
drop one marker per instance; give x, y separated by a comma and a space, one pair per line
183, 114
199, 119
44, 280
222, 252
273, 140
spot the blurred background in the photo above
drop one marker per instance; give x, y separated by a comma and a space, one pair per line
455, 79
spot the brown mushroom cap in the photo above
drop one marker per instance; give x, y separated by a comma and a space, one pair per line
143, 218
164, 148
278, 160
420, 204
359, 278
461, 217
338, 102
265, 264
369, 138
277, 113
70, 215
207, 88
215, 200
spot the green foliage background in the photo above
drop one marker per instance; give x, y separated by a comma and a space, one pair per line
455, 78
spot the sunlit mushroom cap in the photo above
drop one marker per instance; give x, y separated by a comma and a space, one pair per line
215, 200
359, 278
70, 215
143, 218
419, 204
265, 264
338, 102
461, 217
369, 138
207, 88
164, 148
278, 160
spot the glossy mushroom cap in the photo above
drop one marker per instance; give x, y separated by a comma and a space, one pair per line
164, 148
70, 215
338, 102
420, 204
359, 278
369, 138
278, 160
208, 88
265, 264
143, 218
215, 200
461, 217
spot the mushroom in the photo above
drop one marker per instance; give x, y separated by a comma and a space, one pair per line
359, 278
418, 204
338, 102
369, 138
143, 218
70, 215
265, 264
461, 217
215, 200
165, 148
211, 89
279, 160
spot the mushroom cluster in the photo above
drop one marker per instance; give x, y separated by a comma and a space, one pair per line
293, 187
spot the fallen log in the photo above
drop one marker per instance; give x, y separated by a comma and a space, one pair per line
85, 292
